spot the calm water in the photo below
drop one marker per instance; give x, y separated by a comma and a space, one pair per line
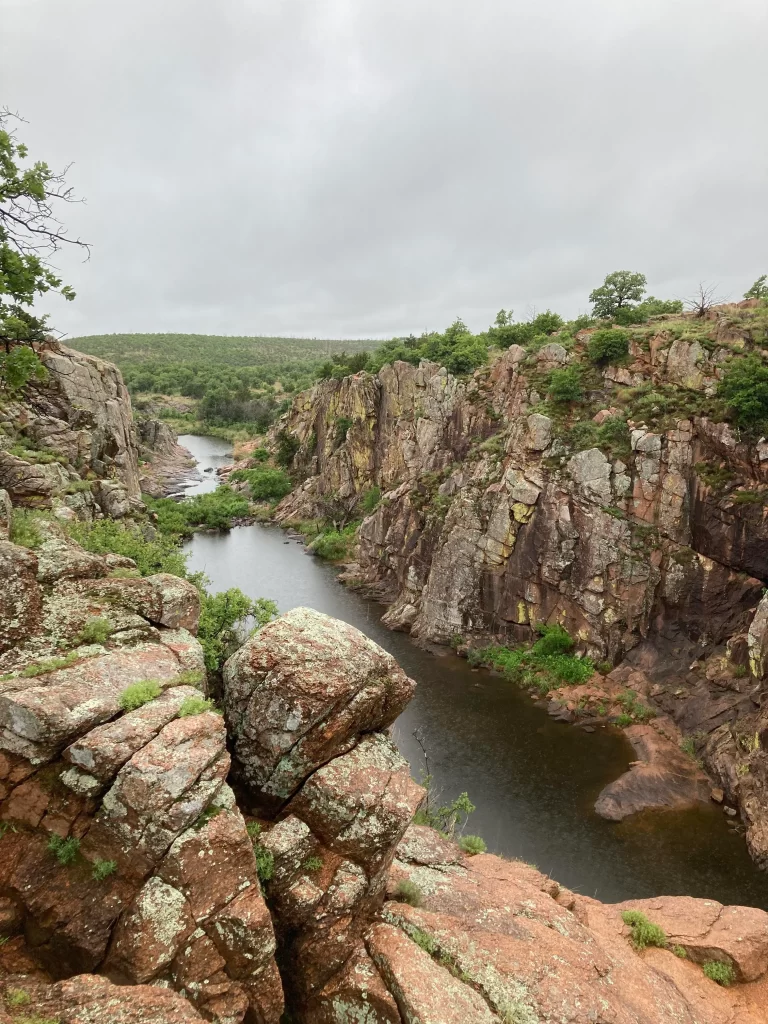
534, 781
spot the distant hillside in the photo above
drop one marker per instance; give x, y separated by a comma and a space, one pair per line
140, 349
238, 381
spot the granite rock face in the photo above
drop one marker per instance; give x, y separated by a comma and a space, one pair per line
78, 424
306, 701
123, 851
494, 519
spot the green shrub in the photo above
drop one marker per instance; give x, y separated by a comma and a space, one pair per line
343, 426
334, 545
680, 952
151, 555
371, 499
223, 619
24, 530
265, 862
195, 706
17, 997
473, 845
565, 385
644, 932
608, 347
18, 367
264, 484
140, 693
287, 446
253, 828
744, 389
720, 972
64, 850
408, 892
103, 869
95, 631
634, 707
424, 940
313, 864
623, 720
445, 818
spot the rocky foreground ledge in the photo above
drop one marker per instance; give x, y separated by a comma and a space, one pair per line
162, 863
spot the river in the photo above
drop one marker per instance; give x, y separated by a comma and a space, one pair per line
534, 781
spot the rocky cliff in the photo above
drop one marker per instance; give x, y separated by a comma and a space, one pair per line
636, 519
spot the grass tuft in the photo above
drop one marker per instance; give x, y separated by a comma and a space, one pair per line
64, 850
720, 972
644, 932
138, 694
408, 892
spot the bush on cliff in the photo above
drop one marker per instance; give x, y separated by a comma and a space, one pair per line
608, 347
214, 511
335, 545
223, 619
644, 933
565, 385
744, 389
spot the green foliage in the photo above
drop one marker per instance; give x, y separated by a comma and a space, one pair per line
265, 862
609, 346
36, 1018
287, 446
634, 707
205, 816
759, 289
343, 426
195, 706
24, 530
643, 932
334, 545
64, 850
620, 289
151, 554
264, 484
214, 510
544, 665
222, 623
253, 828
446, 817
722, 973
103, 869
95, 631
17, 997
29, 233
313, 864
18, 367
744, 389
649, 307
681, 952
370, 500
44, 666
565, 385
473, 845
688, 746
424, 940
408, 892
139, 693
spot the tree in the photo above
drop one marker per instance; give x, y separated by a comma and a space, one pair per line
618, 290
759, 289
565, 385
704, 299
30, 234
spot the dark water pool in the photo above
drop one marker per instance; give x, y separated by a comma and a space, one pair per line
534, 781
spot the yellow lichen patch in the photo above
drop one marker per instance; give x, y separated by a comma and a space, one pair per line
521, 512
522, 613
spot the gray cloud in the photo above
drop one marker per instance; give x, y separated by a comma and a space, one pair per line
345, 168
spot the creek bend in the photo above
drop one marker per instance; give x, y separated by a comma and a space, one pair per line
534, 781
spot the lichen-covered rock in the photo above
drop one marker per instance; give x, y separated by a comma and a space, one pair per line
361, 803
302, 690
6, 514
21, 600
89, 999
535, 952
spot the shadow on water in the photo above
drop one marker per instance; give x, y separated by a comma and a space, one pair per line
534, 780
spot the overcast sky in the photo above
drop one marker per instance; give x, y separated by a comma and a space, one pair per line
348, 168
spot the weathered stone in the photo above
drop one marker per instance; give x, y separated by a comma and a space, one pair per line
662, 777
361, 803
150, 933
89, 999
20, 596
302, 690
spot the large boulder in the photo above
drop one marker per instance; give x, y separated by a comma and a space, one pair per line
302, 691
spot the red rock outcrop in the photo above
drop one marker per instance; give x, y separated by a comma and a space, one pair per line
122, 850
306, 700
